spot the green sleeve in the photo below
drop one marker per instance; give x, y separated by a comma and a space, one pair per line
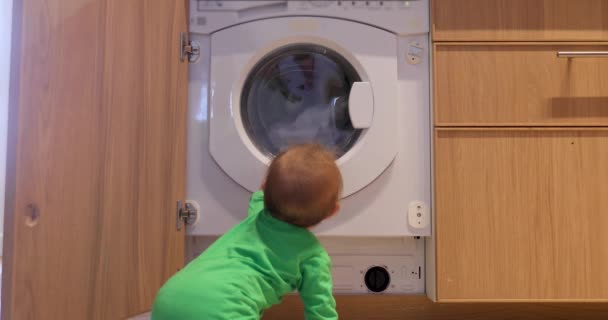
316, 289
256, 204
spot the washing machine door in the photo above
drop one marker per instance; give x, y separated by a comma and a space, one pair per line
285, 81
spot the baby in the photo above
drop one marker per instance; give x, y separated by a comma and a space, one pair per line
268, 254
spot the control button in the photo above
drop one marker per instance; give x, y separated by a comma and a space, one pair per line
202, 4
418, 213
377, 279
415, 52
358, 4
201, 21
374, 4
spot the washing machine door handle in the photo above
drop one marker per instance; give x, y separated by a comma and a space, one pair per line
361, 105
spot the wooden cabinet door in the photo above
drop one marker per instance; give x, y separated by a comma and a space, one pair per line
522, 214
96, 157
520, 85
520, 20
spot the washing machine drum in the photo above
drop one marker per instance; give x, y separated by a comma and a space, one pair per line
299, 94
280, 94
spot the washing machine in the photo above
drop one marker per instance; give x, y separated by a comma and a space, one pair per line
351, 75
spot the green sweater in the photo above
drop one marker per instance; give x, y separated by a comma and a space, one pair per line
249, 269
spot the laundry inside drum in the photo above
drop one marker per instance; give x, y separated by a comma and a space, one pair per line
299, 94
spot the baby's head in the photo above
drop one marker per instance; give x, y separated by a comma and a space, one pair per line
303, 185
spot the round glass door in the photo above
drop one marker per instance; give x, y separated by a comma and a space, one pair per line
299, 94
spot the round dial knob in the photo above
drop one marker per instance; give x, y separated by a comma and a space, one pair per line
377, 279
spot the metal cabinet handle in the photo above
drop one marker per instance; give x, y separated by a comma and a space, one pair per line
582, 54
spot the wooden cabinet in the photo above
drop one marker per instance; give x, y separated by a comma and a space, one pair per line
520, 20
521, 150
96, 157
520, 84
521, 214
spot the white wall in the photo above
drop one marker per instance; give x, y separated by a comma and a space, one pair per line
6, 11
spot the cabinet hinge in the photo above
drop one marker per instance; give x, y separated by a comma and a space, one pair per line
186, 214
189, 49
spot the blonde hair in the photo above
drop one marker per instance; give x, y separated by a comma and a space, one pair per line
303, 185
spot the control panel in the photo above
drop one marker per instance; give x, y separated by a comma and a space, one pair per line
357, 4
362, 4
402, 17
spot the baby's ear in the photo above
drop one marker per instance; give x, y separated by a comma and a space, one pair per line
336, 209
263, 186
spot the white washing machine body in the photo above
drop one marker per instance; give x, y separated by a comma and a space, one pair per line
353, 75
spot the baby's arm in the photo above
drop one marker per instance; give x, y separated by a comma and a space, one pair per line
316, 289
